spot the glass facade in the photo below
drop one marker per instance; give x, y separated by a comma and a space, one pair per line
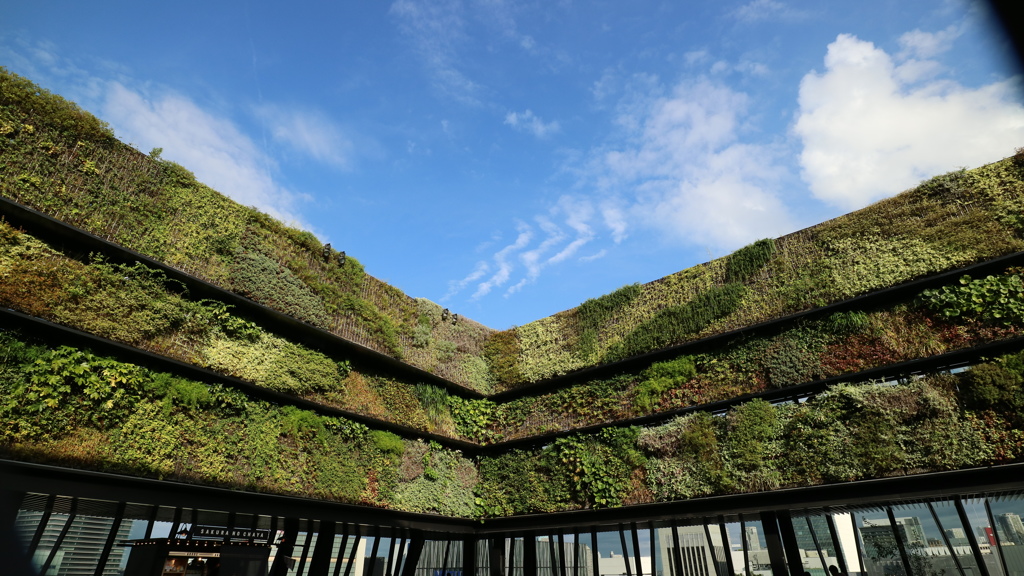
980, 535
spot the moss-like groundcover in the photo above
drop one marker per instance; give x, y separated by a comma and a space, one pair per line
69, 406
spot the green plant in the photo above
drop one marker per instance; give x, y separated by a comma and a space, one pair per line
997, 299
659, 378
745, 262
672, 325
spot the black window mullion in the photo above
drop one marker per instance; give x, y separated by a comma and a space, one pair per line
305, 546
727, 549
636, 549
175, 524
711, 549
152, 520
899, 543
840, 553
794, 560
115, 526
773, 541
595, 555
625, 551
999, 547
41, 527
393, 554
412, 557
746, 546
945, 540
654, 554
817, 546
352, 556
529, 554
60, 537
320, 563
469, 556
341, 549
375, 548
444, 558
562, 568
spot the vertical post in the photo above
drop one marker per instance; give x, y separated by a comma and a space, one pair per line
840, 553
155, 509
636, 549
999, 545
654, 552
60, 538
496, 556
305, 545
711, 550
595, 554
393, 554
530, 554
789, 543
625, 550
726, 546
773, 540
899, 543
285, 547
817, 546
355, 550
41, 527
469, 556
320, 563
115, 526
341, 549
945, 540
412, 558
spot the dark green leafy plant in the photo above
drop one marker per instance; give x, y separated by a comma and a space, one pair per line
997, 299
661, 377
745, 262
672, 325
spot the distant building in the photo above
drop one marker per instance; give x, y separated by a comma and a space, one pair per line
82, 546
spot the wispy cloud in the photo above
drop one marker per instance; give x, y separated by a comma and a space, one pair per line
872, 124
211, 146
532, 124
310, 133
503, 261
762, 10
684, 170
436, 29
677, 167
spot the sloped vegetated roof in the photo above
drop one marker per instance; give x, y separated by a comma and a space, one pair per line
218, 322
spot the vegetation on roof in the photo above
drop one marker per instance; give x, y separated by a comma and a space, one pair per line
71, 407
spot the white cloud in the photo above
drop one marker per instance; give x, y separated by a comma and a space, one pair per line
456, 286
759, 10
684, 171
212, 147
870, 126
529, 122
502, 261
310, 133
436, 29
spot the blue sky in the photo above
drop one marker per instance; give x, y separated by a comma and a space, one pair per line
510, 159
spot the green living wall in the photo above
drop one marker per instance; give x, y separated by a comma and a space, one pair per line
948, 222
66, 406
966, 313
139, 306
70, 407
62, 161
851, 432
